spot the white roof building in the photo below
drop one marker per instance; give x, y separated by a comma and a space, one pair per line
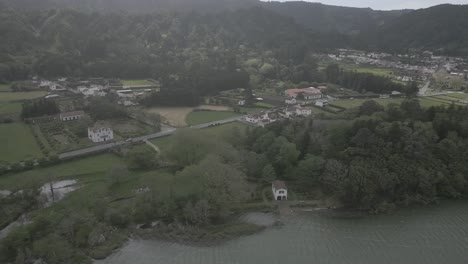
100, 133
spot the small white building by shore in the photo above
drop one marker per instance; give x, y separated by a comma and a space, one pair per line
280, 191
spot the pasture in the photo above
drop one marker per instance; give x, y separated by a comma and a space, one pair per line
5, 88
18, 96
17, 143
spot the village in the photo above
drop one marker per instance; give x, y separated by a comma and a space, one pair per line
78, 124
416, 66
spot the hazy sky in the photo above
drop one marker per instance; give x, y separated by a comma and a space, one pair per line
387, 4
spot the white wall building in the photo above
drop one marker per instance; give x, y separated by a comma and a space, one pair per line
291, 101
280, 191
321, 103
70, 116
100, 133
303, 111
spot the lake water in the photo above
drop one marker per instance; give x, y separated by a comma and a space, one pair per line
434, 234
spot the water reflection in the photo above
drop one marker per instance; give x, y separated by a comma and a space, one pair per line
436, 234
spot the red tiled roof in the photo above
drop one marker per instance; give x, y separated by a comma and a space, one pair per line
279, 185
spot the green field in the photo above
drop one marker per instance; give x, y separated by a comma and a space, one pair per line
222, 131
136, 82
17, 143
358, 102
202, 117
10, 108
5, 88
264, 105
460, 96
425, 102
77, 169
6, 97
375, 71
368, 69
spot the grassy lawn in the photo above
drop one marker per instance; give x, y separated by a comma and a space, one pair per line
6, 97
434, 101
425, 102
5, 88
10, 108
136, 82
368, 69
78, 169
220, 131
460, 96
375, 71
264, 105
201, 117
165, 143
17, 143
358, 102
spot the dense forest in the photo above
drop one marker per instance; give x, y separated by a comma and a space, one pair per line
163, 45
441, 28
383, 158
376, 160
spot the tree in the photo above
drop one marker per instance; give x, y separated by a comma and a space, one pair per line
411, 89
370, 107
117, 175
218, 183
268, 174
142, 158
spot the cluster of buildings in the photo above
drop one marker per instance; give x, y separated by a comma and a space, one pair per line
298, 103
408, 67
95, 87
267, 117
99, 132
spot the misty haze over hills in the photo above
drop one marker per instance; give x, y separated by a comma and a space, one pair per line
61, 37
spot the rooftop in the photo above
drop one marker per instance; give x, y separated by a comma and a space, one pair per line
279, 185
75, 113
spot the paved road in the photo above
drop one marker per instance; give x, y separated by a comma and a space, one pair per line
167, 132
423, 90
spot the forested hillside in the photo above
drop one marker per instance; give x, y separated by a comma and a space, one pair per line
327, 18
442, 28
70, 43
146, 6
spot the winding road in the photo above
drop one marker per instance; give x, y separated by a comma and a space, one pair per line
168, 132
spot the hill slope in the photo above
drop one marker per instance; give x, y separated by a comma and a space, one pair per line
443, 28
327, 18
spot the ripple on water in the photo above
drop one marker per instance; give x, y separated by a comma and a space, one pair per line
425, 235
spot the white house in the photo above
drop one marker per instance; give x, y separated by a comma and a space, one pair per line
241, 103
291, 101
100, 133
71, 116
280, 191
321, 103
303, 111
